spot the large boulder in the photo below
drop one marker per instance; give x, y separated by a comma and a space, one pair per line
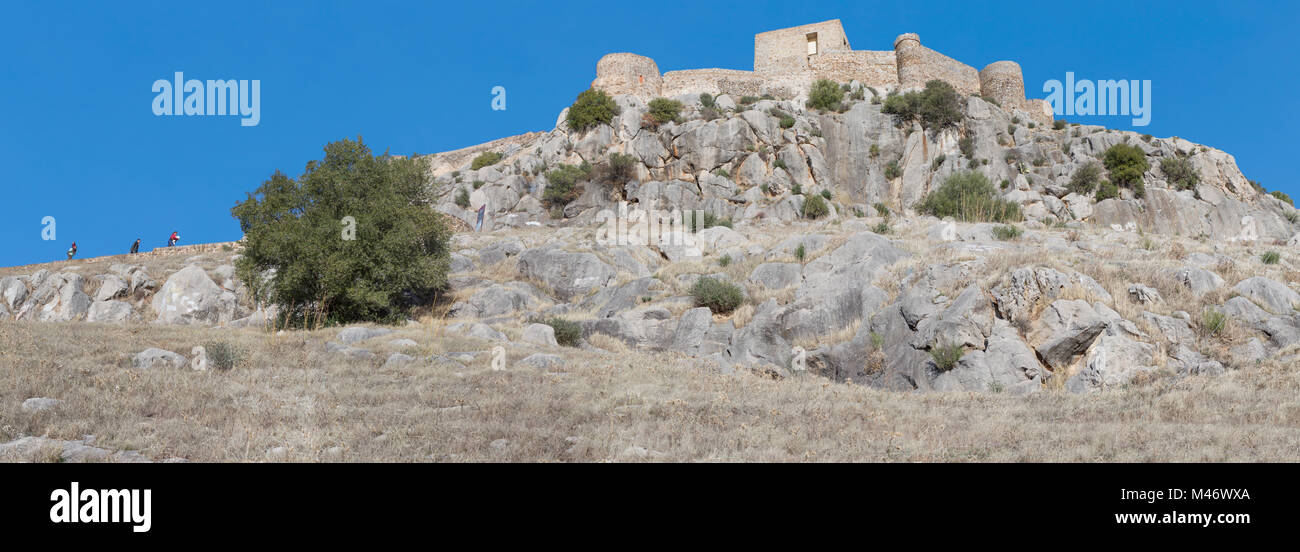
539, 334
109, 311
1273, 296
568, 275
1065, 330
190, 297
157, 358
12, 292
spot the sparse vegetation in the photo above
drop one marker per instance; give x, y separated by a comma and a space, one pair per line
567, 333
800, 252
1282, 196
1085, 178
222, 355
1107, 190
881, 209
1125, 165
665, 110
462, 198
946, 356
485, 159
1213, 322
1270, 257
938, 106
892, 171
1007, 232
825, 95
968, 196
815, 207
1179, 172
719, 296
562, 183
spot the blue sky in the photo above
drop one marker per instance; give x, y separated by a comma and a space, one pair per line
80, 141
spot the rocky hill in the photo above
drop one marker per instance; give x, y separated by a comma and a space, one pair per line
1083, 295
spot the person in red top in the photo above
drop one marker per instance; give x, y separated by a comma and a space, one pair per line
172, 240
72, 250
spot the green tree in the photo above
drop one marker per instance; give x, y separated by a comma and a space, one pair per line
593, 107
299, 255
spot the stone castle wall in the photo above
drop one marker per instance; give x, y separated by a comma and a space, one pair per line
783, 67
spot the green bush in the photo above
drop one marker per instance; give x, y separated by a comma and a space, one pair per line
616, 172
1125, 165
719, 296
1282, 196
938, 162
881, 227
825, 95
938, 106
1085, 179
1270, 258
706, 220
664, 110
1179, 172
478, 184
1107, 190
786, 121
800, 253
969, 196
881, 209
1058, 124
1213, 321
398, 258
593, 107
796, 189
967, 147
778, 164
724, 261
946, 356
222, 356
815, 207
746, 100
826, 194
1007, 232
567, 333
484, 159
462, 198
892, 171
706, 100
561, 184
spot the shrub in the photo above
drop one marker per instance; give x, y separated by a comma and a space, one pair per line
1005, 184
1292, 216
825, 95
937, 106
779, 164
706, 100
1007, 232
800, 253
796, 188
967, 147
664, 110
567, 333
892, 171
719, 296
222, 356
881, 227
1085, 179
946, 356
1270, 258
826, 194
721, 172
1015, 120
875, 150
462, 198
1282, 196
815, 207
938, 162
617, 171
705, 220
1058, 124
724, 261
478, 184
593, 107
881, 209
1107, 190
1125, 165
1179, 172
399, 256
484, 159
746, 100
561, 184
786, 121
969, 196
1213, 321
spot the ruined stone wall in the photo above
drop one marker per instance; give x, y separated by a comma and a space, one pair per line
786, 50
713, 81
1002, 81
918, 65
624, 73
869, 68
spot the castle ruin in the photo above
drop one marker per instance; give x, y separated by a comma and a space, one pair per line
788, 61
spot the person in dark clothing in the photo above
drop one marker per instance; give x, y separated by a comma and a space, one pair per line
135, 247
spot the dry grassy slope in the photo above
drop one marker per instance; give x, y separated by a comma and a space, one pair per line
289, 399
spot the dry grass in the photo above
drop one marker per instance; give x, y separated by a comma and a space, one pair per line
320, 407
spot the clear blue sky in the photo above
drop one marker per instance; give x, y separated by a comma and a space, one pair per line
80, 141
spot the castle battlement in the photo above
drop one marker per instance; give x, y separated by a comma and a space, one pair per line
788, 61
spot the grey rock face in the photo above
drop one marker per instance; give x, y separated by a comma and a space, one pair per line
397, 360
113, 287
776, 275
569, 275
541, 361
1198, 280
1273, 296
157, 358
190, 297
1142, 295
1065, 330
40, 404
109, 311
